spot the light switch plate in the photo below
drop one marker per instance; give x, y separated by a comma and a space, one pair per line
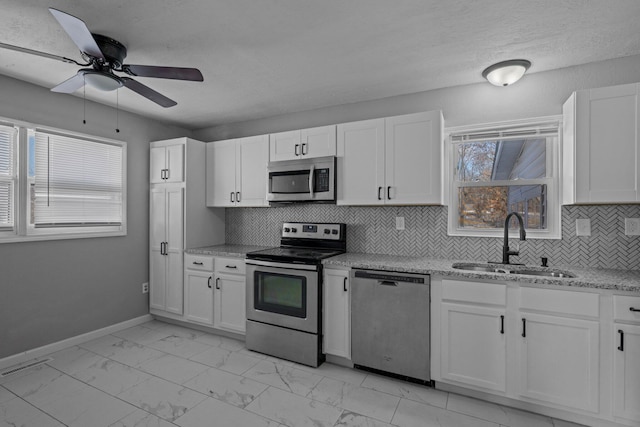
632, 226
583, 227
399, 223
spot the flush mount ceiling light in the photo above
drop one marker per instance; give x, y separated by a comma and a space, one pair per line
506, 72
102, 81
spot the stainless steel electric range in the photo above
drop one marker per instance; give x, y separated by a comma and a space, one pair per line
284, 292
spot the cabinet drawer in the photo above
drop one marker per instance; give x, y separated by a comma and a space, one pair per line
559, 301
198, 262
622, 306
474, 292
230, 265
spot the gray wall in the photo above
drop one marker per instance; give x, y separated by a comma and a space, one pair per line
539, 94
53, 290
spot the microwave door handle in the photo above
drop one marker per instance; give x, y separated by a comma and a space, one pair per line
311, 179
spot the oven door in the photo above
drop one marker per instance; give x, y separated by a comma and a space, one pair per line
285, 295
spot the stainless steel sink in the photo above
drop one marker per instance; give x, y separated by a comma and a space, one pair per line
512, 269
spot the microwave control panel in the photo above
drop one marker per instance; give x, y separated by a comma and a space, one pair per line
321, 179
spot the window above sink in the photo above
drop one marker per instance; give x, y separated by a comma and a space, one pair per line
500, 168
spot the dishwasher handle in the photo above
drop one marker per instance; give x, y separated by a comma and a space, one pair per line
390, 279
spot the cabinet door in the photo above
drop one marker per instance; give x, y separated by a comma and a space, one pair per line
558, 360
607, 148
413, 159
473, 345
284, 145
626, 372
252, 171
361, 163
157, 234
221, 173
337, 313
230, 303
157, 164
318, 142
199, 296
175, 163
174, 248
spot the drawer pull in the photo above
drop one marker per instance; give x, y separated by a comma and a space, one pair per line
231, 266
502, 325
621, 347
637, 310
197, 263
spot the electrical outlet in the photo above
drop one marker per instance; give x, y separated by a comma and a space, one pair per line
145, 288
399, 223
632, 226
583, 227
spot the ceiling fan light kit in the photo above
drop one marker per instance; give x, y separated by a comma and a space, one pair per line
506, 73
106, 56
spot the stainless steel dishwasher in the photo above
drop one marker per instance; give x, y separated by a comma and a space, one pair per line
390, 323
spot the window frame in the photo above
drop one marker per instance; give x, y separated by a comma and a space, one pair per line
22, 231
552, 181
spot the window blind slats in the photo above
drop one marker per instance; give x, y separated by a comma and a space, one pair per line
8, 142
77, 182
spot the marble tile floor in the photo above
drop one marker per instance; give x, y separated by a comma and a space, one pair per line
162, 375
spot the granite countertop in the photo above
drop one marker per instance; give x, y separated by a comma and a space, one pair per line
225, 250
619, 280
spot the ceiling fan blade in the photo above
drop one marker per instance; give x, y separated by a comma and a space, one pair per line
148, 93
39, 53
176, 73
79, 33
70, 85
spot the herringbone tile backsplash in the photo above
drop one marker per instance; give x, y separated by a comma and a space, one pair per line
372, 230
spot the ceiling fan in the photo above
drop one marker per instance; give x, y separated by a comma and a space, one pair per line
105, 55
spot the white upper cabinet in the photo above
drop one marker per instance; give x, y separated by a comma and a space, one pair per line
167, 161
296, 144
601, 149
237, 172
391, 161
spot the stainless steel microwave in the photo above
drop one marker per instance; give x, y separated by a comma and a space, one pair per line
302, 180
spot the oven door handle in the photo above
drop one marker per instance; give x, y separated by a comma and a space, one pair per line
274, 264
311, 180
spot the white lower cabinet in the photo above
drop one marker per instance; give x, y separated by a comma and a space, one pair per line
558, 361
229, 295
336, 323
198, 277
474, 348
626, 358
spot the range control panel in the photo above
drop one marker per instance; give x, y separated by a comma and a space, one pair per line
311, 230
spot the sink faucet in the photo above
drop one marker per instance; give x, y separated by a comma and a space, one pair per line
506, 252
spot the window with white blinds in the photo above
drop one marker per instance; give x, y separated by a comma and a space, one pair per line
75, 182
8, 145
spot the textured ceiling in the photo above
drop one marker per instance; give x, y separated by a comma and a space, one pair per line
263, 58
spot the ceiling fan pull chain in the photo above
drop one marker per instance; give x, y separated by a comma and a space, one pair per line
84, 101
117, 109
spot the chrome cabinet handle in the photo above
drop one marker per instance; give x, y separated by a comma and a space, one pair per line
634, 309
166, 176
344, 284
217, 283
296, 151
303, 152
231, 197
621, 346
379, 190
237, 196
389, 192
209, 282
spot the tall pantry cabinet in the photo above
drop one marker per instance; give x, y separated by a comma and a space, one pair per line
179, 218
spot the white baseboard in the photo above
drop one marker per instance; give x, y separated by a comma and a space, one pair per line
78, 339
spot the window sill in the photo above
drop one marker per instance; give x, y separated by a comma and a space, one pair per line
13, 238
531, 234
